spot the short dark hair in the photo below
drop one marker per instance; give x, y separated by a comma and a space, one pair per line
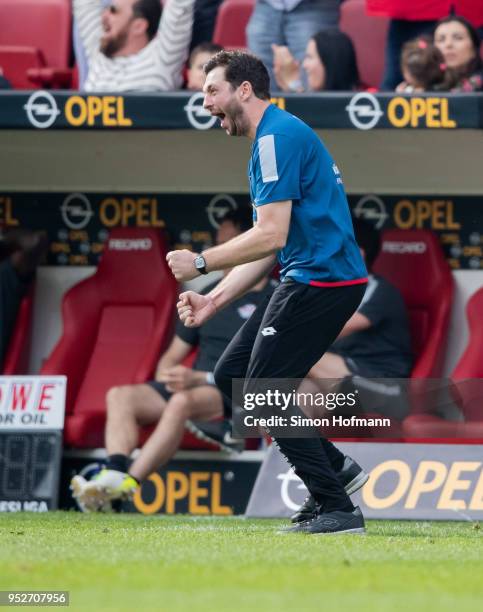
368, 238
151, 11
337, 54
241, 217
239, 67
204, 47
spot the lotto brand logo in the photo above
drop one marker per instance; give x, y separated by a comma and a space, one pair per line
269, 331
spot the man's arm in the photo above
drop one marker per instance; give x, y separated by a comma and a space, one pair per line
195, 309
240, 280
174, 355
173, 40
176, 376
87, 16
358, 322
267, 237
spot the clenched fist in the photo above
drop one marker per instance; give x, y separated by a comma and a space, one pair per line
182, 264
195, 309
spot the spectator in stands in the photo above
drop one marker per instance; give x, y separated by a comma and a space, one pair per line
21, 251
130, 46
177, 394
80, 52
408, 20
412, 18
292, 24
459, 42
330, 64
424, 68
204, 22
198, 58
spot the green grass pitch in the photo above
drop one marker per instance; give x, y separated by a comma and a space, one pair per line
131, 562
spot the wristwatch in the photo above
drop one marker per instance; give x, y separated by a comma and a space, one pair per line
200, 264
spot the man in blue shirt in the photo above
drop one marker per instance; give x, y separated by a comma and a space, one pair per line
302, 216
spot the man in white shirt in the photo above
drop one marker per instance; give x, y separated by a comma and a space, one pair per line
134, 45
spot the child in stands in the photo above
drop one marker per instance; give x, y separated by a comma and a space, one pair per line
424, 68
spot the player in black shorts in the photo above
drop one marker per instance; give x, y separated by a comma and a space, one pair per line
302, 216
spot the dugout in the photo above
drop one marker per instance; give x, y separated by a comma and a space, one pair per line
80, 166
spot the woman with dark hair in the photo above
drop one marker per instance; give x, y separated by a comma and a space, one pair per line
330, 64
459, 42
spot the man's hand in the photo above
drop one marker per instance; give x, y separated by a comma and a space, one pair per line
195, 309
182, 264
178, 378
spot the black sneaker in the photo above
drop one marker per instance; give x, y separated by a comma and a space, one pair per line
216, 432
331, 523
306, 511
352, 478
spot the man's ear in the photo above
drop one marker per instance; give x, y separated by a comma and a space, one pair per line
140, 26
246, 90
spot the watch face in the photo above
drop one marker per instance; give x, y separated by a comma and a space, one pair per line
200, 262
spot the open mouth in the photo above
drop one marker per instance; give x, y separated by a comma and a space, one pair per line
221, 117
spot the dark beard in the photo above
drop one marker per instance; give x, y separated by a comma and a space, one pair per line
235, 114
113, 45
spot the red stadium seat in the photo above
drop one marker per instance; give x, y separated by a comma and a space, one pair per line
468, 395
368, 35
231, 23
414, 262
16, 61
116, 323
17, 358
470, 364
35, 42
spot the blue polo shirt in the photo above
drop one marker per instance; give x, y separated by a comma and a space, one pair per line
289, 162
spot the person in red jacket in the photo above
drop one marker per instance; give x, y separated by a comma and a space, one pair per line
413, 18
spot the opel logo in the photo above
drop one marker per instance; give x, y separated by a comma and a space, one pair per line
41, 109
198, 116
76, 211
372, 209
364, 111
218, 207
